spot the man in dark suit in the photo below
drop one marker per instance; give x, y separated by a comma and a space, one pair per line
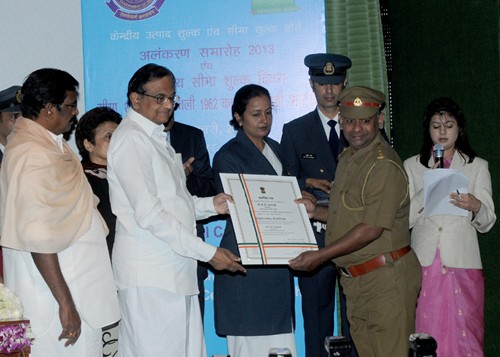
190, 143
310, 147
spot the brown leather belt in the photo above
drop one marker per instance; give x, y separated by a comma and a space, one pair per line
372, 264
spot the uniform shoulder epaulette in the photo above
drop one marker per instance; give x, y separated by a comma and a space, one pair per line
380, 151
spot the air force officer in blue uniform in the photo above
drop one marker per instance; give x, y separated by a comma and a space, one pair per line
310, 147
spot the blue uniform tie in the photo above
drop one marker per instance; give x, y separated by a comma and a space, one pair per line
333, 139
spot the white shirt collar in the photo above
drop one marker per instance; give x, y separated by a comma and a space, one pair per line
58, 139
325, 120
147, 125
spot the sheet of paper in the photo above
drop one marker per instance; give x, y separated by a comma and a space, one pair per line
270, 227
438, 184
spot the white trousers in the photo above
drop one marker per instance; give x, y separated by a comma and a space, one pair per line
88, 344
157, 322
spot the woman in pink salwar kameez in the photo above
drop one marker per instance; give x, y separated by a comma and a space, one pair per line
451, 302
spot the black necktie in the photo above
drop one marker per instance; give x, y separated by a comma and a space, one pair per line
333, 139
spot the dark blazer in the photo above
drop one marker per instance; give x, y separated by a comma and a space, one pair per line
260, 302
97, 177
190, 142
306, 151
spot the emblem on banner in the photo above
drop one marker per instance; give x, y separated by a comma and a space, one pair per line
134, 10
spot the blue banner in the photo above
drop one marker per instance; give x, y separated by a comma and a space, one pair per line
213, 47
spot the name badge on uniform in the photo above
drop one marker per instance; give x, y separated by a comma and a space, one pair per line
308, 156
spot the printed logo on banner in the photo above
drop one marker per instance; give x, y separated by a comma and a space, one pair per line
134, 10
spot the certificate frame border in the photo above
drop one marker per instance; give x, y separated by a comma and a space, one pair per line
243, 242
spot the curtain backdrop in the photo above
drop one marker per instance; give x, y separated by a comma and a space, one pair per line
354, 29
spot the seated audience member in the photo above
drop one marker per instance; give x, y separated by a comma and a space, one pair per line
255, 310
52, 234
92, 134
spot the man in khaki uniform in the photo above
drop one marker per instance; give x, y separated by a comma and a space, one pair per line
367, 231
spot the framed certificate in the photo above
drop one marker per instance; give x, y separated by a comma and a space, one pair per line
270, 227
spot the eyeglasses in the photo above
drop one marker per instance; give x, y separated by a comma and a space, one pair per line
162, 99
72, 107
14, 116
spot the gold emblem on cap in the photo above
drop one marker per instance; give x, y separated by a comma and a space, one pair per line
357, 102
329, 69
19, 96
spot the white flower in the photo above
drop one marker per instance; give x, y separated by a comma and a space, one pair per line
10, 306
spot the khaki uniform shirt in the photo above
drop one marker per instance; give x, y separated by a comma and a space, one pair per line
370, 187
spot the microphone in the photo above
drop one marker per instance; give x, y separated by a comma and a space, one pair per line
438, 155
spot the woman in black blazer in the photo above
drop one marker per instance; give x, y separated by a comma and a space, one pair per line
92, 135
254, 310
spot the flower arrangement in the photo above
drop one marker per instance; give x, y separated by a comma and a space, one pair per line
15, 334
10, 306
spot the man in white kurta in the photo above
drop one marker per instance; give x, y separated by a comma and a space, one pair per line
55, 254
156, 247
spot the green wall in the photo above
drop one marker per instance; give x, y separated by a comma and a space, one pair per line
451, 48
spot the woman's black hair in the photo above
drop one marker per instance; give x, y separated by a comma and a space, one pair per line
87, 126
437, 106
243, 97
